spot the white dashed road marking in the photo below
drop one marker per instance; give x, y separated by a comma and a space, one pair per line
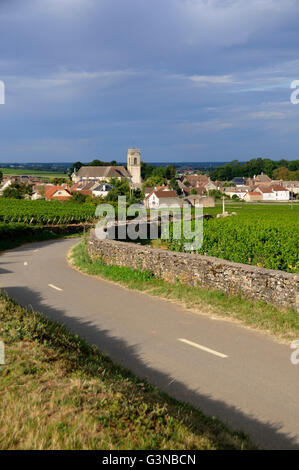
203, 348
54, 287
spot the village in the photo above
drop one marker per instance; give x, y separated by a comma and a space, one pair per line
186, 188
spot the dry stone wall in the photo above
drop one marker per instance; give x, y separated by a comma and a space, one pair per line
275, 287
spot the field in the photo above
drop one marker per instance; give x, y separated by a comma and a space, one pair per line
261, 235
45, 212
266, 236
20, 171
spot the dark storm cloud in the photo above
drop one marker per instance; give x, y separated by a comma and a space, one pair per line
86, 77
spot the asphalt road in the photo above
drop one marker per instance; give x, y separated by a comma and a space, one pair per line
240, 376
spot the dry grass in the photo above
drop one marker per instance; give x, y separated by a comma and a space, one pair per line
57, 392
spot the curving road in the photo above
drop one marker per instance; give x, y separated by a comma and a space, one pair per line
240, 376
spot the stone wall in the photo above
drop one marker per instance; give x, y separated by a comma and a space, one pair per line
276, 287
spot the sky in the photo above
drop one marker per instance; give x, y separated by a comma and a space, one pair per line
183, 80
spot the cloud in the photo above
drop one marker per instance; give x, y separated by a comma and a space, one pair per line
267, 115
211, 79
215, 125
169, 74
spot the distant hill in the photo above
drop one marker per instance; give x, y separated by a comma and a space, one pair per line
62, 167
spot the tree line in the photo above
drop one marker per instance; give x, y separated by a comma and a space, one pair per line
274, 169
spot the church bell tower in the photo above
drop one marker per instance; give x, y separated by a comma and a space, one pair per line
134, 165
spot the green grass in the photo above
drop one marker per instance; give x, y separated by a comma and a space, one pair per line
61, 393
281, 324
264, 210
20, 171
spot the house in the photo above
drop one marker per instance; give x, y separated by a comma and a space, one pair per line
184, 189
252, 196
147, 191
202, 184
39, 190
210, 186
86, 186
104, 173
233, 191
238, 181
5, 185
36, 195
281, 193
162, 199
75, 187
273, 193
59, 193
292, 186
102, 190
266, 192
261, 179
196, 180
258, 180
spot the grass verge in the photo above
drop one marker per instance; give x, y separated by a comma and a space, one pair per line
283, 325
61, 393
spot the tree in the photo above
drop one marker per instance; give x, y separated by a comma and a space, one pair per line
170, 172
120, 188
154, 181
1, 176
146, 170
165, 172
294, 165
253, 167
215, 193
281, 173
136, 197
59, 181
79, 197
76, 166
173, 184
96, 162
17, 191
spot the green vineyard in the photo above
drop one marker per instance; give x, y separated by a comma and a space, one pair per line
266, 236
45, 212
258, 235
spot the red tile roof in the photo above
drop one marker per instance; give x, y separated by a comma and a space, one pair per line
87, 192
161, 194
265, 189
50, 193
277, 187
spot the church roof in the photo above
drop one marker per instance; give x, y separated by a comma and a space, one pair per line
103, 172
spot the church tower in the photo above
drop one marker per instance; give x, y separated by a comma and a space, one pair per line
134, 166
